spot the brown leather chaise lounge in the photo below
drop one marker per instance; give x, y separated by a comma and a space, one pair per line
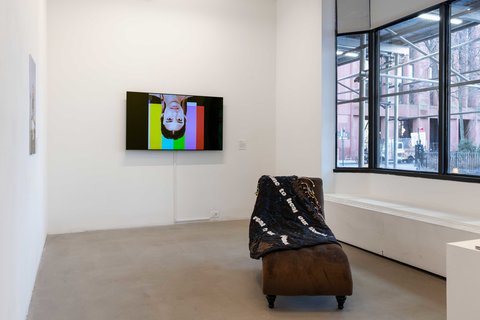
316, 270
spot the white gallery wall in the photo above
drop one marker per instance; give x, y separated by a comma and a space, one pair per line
98, 50
298, 79
22, 176
305, 106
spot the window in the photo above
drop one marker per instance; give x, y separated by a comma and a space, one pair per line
407, 111
352, 101
423, 98
464, 139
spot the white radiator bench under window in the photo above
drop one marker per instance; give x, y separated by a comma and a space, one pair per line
409, 234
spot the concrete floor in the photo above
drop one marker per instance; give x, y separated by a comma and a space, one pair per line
203, 271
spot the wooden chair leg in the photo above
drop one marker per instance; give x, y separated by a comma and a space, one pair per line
341, 301
271, 300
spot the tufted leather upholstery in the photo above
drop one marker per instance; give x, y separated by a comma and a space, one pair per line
317, 270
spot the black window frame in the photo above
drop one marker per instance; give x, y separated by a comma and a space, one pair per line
369, 95
444, 101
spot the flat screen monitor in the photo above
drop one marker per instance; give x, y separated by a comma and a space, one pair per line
163, 121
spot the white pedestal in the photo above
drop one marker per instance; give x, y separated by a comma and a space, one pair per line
463, 280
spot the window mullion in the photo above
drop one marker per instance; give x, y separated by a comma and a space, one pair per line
374, 70
444, 89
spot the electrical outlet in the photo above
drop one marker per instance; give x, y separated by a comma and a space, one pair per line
214, 214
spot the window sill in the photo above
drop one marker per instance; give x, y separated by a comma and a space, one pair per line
414, 174
444, 219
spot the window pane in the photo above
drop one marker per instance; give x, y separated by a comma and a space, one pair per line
352, 101
464, 151
408, 94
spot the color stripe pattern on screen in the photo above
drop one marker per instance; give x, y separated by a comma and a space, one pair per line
154, 129
194, 131
200, 127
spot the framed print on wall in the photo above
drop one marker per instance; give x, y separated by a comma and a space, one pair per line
32, 101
